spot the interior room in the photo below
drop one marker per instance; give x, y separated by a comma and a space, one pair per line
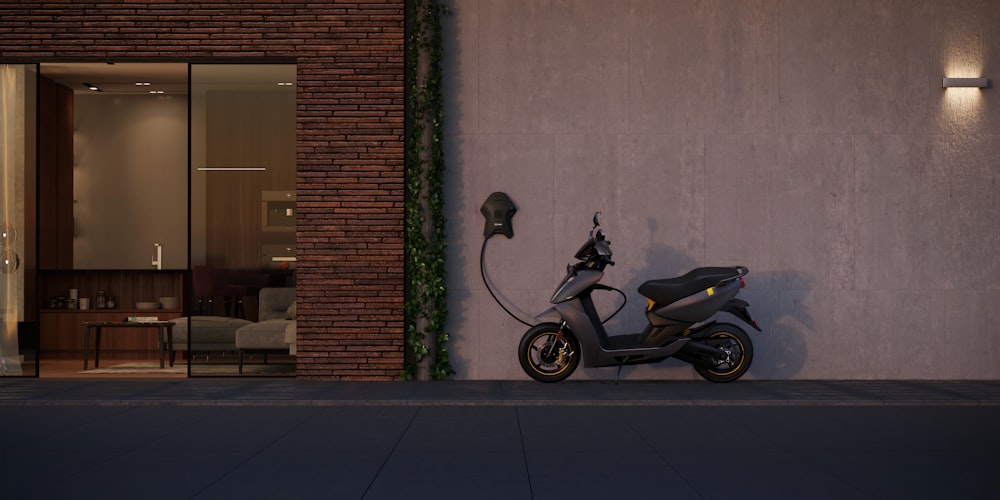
166, 194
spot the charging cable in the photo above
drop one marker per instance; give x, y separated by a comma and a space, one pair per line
482, 271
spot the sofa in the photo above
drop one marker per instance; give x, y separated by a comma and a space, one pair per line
222, 334
211, 334
275, 331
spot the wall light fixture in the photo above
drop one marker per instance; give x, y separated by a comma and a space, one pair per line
966, 82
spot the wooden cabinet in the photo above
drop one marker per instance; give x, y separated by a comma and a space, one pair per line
61, 330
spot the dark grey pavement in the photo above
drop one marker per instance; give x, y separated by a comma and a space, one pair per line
286, 438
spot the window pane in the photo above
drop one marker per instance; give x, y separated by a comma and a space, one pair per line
243, 216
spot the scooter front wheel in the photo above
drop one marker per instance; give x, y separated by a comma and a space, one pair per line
549, 352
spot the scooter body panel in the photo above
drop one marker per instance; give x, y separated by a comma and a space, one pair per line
695, 307
575, 283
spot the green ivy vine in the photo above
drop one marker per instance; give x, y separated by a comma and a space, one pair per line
426, 307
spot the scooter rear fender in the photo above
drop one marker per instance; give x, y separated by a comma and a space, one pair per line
741, 309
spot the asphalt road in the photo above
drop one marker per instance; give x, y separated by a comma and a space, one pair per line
117, 441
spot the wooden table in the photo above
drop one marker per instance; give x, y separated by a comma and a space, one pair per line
164, 329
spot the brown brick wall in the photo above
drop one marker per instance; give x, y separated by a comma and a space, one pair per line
350, 140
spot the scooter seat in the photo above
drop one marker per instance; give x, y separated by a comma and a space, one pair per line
665, 291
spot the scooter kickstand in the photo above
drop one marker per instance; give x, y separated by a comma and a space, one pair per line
619, 374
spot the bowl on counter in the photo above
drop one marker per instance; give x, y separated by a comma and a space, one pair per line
170, 302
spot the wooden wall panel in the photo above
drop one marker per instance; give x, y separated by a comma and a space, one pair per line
55, 175
245, 129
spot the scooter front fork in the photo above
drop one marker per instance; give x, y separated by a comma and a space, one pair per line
563, 346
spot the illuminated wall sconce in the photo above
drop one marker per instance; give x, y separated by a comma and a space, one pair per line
966, 82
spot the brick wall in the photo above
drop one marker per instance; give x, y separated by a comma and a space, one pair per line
350, 140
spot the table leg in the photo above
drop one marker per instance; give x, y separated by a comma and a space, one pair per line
170, 344
97, 347
86, 346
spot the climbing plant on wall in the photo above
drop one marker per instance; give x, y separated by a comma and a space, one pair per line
426, 307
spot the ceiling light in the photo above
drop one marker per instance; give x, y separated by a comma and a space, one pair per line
285, 84
141, 84
95, 88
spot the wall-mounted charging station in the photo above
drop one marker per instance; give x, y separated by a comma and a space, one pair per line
498, 210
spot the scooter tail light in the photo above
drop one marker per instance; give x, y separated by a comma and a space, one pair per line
743, 284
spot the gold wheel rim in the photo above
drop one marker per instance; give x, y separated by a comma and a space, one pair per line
741, 347
535, 367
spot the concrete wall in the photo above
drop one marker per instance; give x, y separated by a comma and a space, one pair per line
807, 139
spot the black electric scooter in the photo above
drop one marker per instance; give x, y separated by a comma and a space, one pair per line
679, 310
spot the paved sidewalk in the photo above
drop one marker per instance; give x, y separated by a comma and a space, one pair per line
264, 438
292, 392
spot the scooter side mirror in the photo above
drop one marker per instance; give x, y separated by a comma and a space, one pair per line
498, 211
597, 222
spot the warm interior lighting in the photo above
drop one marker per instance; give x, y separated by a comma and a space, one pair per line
965, 82
93, 87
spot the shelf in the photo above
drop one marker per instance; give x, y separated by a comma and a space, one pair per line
61, 330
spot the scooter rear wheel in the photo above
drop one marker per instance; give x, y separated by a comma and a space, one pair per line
548, 354
739, 353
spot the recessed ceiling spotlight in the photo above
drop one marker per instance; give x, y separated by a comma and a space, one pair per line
156, 92
141, 84
285, 84
95, 88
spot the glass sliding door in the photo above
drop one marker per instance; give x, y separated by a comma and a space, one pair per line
112, 219
18, 311
243, 211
